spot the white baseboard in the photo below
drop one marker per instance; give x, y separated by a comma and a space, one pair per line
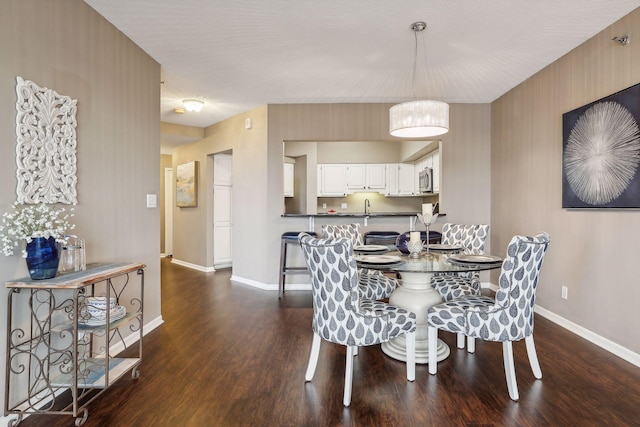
610, 346
115, 349
193, 266
271, 287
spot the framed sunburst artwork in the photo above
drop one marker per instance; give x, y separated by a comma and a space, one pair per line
601, 153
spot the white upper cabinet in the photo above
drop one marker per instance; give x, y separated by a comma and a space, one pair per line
435, 161
367, 177
332, 180
400, 179
377, 177
356, 178
288, 180
392, 179
406, 179
335, 180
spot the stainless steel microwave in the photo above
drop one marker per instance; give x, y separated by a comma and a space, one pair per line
426, 180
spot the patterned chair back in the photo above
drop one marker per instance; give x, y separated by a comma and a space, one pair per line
472, 236
334, 286
511, 317
350, 231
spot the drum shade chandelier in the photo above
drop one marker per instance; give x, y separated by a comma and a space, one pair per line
418, 119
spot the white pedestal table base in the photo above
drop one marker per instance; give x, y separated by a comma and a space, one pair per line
416, 295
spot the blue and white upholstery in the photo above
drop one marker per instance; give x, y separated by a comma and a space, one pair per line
340, 315
373, 284
471, 238
508, 317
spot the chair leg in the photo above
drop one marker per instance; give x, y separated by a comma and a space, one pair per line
461, 338
510, 370
283, 261
313, 357
533, 357
411, 355
432, 336
348, 376
471, 344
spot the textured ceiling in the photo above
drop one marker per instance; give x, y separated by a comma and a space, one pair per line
236, 55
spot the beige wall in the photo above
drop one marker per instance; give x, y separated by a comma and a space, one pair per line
257, 182
592, 252
464, 201
192, 229
66, 46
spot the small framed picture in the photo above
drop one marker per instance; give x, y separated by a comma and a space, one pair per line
187, 185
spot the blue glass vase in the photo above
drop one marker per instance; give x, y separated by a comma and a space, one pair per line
42, 258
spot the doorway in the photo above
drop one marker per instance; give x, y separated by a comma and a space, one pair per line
222, 213
168, 212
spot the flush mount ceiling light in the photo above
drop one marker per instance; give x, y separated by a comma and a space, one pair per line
418, 119
194, 105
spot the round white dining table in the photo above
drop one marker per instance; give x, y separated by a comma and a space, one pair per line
416, 294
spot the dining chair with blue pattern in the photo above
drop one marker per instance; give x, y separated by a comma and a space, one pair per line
373, 284
341, 316
471, 238
506, 318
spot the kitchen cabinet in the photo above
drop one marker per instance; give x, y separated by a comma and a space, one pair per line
356, 177
288, 180
71, 339
366, 177
338, 180
400, 179
406, 179
435, 164
376, 177
332, 180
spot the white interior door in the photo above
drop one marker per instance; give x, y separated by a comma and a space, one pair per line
222, 214
168, 211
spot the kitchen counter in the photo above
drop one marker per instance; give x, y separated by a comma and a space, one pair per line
410, 215
353, 214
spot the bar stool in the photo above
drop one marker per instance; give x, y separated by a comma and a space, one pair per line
385, 238
289, 238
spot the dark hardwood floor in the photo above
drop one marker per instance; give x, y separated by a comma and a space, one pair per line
232, 355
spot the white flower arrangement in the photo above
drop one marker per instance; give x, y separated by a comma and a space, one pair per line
27, 222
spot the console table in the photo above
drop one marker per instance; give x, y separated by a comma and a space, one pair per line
58, 339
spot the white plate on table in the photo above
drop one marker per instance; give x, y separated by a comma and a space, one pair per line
475, 258
378, 259
370, 248
443, 247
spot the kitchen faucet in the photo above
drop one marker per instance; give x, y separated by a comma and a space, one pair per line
367, 206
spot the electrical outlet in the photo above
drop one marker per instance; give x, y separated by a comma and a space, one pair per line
324, 206
343, 206
565, 292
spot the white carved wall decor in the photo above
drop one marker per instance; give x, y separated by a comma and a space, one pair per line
46, 145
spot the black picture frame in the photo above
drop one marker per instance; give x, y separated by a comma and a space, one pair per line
601, 153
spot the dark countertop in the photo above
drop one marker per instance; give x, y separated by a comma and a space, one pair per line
354, 214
